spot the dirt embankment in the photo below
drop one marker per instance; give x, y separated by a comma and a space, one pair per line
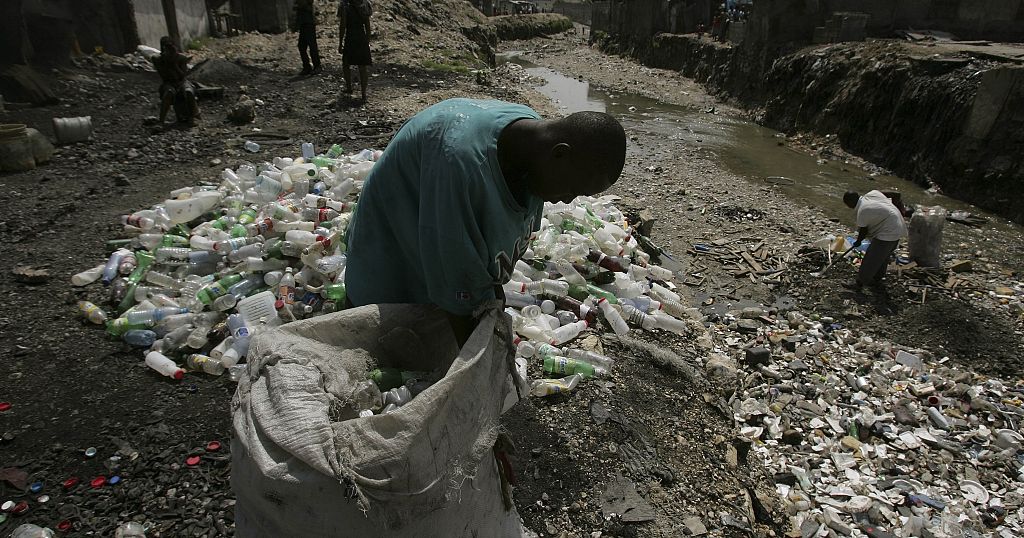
943, 119
533, 25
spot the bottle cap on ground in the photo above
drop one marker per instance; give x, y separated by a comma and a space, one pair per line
71, 482
90, 452
192, 461
213, 446
98, 482
4, 406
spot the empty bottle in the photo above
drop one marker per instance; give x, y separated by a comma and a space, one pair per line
110, 269
29, 530
547, 387
132, 529
205, 364
651, 322
88, 276
154, 315
567, 366
92, 312
286, 287
251, 147
240, 347
163, 365
139, 337
590, 357
568, 332
614, 318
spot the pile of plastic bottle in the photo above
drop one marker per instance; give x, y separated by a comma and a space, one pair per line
202, 271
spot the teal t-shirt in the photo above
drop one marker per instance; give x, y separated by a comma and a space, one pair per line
436, 222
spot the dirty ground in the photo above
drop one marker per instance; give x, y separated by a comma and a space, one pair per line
663, 428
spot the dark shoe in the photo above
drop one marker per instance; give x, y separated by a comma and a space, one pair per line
853, 286
318, 69
306, 71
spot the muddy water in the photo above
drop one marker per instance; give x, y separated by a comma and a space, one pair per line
756, 153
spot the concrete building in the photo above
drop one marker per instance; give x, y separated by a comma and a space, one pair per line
48, 32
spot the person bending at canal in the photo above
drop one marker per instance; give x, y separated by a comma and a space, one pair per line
452, 202
881, 221
354, 40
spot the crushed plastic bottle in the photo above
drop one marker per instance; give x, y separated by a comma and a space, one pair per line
29, 530
547, 387
132, 529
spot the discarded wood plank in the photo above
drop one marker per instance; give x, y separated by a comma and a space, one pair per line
753, 263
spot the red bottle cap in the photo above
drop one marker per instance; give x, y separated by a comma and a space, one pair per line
192, 461
213, 446
71, 482
179, 374
4, 406
20, 508
98, 482
64, 526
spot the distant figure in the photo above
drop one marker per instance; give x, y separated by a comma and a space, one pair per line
175, 89
354, 40
305, 17
879, 219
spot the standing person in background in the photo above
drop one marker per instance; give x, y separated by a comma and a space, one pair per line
354, 40
305, 18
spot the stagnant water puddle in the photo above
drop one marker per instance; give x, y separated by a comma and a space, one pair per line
753, 152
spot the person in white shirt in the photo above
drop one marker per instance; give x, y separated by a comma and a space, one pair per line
881, 221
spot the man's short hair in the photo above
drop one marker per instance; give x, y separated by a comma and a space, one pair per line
599, 136
851, 198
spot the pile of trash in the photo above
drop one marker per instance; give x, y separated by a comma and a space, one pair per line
202, 271
138, 60
863, 436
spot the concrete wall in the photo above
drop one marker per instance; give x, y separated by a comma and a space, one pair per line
579, 12
193, 21
638, 20
267, 16
996, 20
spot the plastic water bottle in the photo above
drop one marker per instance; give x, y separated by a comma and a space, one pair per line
163, 365
204, 363
154, 315
92, 312
29, 530
286, 287
650, 322
88, 276
567, 366
589, 357
251, 147
110, 269
307, 151
139, 337
132, 529
547, 387
241, 335
568, 332
614, 318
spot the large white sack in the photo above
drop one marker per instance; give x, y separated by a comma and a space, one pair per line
427, 469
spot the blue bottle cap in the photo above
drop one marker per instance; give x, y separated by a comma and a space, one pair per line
36, 487
114, 480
